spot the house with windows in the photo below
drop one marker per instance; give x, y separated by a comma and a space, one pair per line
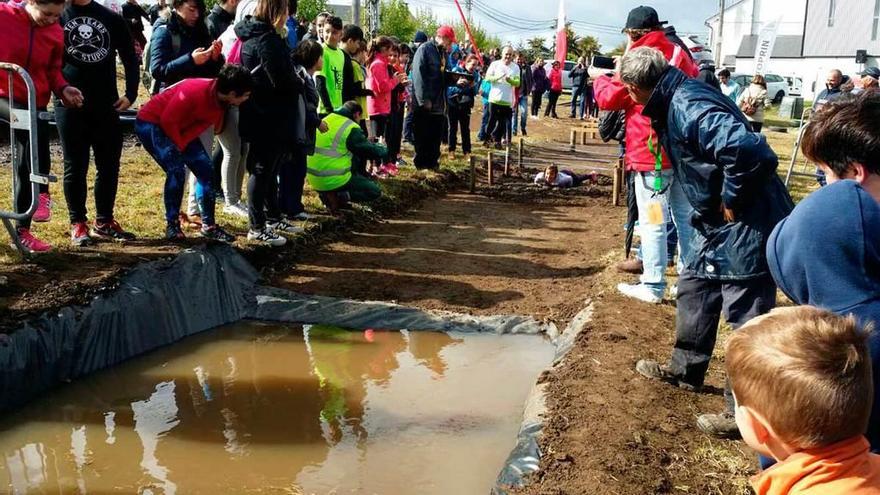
814, 37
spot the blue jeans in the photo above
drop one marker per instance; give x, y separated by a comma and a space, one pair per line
681, 210
654, 236
482, 135
521, 114
578, 101
174, 163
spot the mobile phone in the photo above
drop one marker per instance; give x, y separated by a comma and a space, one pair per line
603, 63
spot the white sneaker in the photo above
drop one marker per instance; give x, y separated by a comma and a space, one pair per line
236, 210
640, 292
283, 227
303, 217
266, 236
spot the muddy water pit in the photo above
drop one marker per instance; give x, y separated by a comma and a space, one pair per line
264, 408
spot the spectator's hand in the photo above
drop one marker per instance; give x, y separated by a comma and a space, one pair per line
462, 82
122, 104
729, 215
401, 77
201, 56
72, 97
323, 127
216, 50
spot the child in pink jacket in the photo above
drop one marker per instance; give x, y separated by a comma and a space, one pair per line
381, 81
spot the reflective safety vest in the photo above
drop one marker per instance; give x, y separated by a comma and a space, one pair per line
330, 167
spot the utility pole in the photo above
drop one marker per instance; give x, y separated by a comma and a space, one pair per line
468, 6
719, 35
356, 12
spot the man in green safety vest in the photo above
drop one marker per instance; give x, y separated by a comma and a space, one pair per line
329, 170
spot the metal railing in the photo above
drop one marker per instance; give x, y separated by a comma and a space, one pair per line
23, 119
805, 122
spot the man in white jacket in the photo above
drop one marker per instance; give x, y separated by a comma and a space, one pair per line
504, 75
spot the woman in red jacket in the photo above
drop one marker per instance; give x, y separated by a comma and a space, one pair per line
32, 38
555, 77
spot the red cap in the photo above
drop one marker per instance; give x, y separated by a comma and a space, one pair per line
446, 32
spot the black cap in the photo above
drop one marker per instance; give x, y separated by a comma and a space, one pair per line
871, 72
643, 17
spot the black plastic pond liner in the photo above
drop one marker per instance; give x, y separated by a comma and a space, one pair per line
156, 304
162, 302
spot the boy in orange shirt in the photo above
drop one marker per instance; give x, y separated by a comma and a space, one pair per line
803, 386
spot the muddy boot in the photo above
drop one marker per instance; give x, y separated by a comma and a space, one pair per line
719, 425
632, 265
655, 371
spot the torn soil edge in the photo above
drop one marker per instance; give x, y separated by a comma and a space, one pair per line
526, 455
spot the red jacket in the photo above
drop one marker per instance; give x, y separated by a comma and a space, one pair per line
556, 80
185, 110
611, 94
38, 49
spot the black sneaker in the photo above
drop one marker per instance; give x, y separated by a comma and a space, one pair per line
215, 233
174, 233
112, 231
655, 371
719, 425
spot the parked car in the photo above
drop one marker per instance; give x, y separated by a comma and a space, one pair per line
566, 73
699, 51
777, 87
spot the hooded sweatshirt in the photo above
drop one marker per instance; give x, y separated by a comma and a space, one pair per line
37, 49
827, 254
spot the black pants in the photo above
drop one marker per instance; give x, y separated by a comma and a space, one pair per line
537, 100
217, 162
699, 308
264, 161
551, 106
83, 130
22, 189
460, 118
394, 135
427, 129
499, 122
292, 178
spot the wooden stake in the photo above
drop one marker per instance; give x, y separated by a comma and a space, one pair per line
473, 163
520, 153
573, 139
489, 169
615, 193
507, 161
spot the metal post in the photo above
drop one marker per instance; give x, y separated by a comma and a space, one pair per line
489, 169
356, 12
472, 161
719, 36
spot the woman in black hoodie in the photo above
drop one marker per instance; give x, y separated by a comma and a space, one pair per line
268, 119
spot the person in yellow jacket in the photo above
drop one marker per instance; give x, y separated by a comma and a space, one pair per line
337, 150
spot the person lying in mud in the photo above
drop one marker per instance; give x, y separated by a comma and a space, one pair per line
329, 169
553, 177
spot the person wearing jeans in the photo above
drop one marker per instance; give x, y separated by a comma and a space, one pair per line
579, 80
521, 109
653, 230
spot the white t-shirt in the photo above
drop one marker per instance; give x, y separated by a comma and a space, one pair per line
562, 180
502, 91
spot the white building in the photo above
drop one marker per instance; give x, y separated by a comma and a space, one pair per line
815, 36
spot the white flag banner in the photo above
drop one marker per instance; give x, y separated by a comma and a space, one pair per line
764, 48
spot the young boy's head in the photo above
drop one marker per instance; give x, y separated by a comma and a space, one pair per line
352, 35
234, 85
802, 380
332, 31
550, 174
470, 63
843, 138
360, 55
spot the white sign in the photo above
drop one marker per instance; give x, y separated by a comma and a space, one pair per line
764, 48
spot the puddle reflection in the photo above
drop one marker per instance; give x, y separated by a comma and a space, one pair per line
262, 407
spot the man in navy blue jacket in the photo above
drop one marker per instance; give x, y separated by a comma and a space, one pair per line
728, 174
827, 253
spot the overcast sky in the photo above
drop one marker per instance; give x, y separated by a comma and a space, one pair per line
688, 16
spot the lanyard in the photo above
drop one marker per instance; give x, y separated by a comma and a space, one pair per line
658, 163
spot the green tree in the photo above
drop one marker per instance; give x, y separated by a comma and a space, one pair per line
535, 48
618, 50
395, 19
311, 8
426, 22
589, 46
483, 40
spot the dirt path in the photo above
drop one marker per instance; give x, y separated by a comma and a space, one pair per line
610, 431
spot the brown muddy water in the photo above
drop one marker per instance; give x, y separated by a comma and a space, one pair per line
259, 408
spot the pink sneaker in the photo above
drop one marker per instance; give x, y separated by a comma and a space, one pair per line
31, 243
44, 209
391, 169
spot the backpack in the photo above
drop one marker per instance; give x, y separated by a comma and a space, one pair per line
612, 125
147, 79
